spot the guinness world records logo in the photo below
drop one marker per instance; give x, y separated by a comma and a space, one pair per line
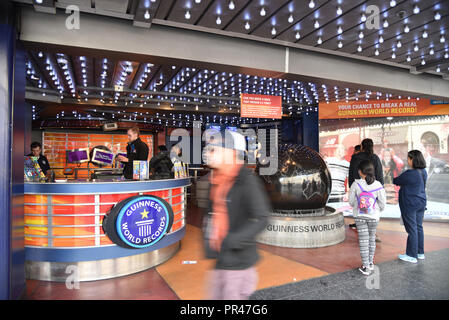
139, 221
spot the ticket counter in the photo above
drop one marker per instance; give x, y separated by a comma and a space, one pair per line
64, 234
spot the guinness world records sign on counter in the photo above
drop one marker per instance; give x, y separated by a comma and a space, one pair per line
102, 230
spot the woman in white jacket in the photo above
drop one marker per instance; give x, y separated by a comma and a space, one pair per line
367, 198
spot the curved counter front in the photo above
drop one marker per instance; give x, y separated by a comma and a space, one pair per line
64, 235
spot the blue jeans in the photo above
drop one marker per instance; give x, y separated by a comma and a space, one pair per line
413, 225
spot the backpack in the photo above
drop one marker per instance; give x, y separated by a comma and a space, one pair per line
367, 200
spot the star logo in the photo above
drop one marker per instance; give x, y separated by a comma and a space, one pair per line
144, 214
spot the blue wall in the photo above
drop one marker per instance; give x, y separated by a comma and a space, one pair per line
12, 109
310, 130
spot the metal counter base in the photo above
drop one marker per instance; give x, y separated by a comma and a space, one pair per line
99, 269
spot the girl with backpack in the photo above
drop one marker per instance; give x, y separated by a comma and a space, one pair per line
367, 198
412, 202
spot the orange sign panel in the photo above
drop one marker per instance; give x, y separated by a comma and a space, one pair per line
380, 108
260, 106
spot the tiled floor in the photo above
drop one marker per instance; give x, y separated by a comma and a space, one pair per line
278, 266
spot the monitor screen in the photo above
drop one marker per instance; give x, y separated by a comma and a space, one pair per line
102, 157
78, 155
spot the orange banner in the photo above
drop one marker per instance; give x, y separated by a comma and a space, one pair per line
380, 108
260, 106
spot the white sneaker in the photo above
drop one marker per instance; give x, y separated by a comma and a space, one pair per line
421, 256
371, 267
407, 258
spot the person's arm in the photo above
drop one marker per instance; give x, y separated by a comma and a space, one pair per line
142, 153
259, 208
379, 172
353, 202
402, 179
351, 176
381, 199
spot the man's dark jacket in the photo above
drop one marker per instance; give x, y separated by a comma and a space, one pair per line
136, 150
248, 208
162, 165
354, 167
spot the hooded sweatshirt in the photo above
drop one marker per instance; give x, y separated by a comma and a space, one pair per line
355, 191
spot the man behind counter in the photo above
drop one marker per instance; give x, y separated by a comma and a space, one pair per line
36, 151
136, 150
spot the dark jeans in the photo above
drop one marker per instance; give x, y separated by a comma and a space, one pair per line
413, 225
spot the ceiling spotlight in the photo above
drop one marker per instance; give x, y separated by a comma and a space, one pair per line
393, 55
415, 48
319, 41
340, 44
423, 62
363, 18
437, 16
297, 35
231, 5
376, 52
339, 10
187, 15
381, 39
425, 34
409, 58
385, 23
273, 31
147, 15
359, 48
416, 9
361, 35
442, 39
247, 26
399, 44
218, 21
290, 18
392, 3
316, 24
263, 12
431, 52
311, 4
406, 29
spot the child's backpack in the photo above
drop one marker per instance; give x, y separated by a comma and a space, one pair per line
367, 200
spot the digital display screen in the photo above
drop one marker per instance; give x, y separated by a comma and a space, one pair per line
78, 155
102, 157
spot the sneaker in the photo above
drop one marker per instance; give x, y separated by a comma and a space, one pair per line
364, 270
407, 258
421, 256
371, 267
353, 226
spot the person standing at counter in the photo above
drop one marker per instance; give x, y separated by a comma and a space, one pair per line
238, 210
161, 164
36, 151
412, 202
135, 150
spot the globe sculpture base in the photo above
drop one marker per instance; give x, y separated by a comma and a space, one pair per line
304, 230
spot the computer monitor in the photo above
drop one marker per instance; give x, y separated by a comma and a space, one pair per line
102, 157
77, 155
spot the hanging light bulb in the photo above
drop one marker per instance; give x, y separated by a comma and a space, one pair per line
425, 34
339, 10
437, 16
393, 55
385, 23
446, 55
376, 52
399, 44
263, 12
363, 18
381, 39
319, 41
218, 21
297, 35
392, 3
406, 29
290, 18
339, 30
231, 5
409, 58
340, 44
147, 15
423, 62
311, 4
197, 1
442, 39
438, 69
273, 31
361, 35
316, 24
359, 48
187, 15
247, 25
431, 52
415, 48
416, 9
